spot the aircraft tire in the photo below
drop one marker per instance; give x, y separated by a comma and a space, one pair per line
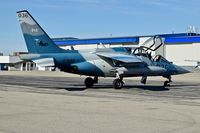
118, 84
89, 82
166, 83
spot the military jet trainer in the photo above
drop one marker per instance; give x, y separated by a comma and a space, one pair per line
94, 64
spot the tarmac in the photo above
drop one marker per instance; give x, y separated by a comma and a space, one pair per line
56, 102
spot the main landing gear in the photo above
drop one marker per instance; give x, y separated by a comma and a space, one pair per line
117, 83
167, 83
89, 82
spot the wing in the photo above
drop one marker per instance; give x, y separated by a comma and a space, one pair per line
121, 57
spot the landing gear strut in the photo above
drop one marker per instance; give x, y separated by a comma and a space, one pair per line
95, 79
89, 82
144, 79
167, 83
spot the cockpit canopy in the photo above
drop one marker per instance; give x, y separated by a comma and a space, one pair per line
159, 58
140, 51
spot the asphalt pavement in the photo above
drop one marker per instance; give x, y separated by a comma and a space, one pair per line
38, 102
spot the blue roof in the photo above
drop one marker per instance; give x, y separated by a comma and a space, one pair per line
169, 39
178, 35
179, 40
63, 42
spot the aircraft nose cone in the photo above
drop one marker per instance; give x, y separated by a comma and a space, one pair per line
181, 70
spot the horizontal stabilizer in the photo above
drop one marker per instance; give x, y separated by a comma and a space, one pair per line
29, 56
45, 62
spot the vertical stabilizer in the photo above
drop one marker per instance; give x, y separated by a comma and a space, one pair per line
36, 38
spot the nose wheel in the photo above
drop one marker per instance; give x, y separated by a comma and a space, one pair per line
118, 84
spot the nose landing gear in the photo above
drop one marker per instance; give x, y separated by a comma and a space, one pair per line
118, 82
167, 83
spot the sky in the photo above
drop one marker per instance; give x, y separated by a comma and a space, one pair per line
97, 18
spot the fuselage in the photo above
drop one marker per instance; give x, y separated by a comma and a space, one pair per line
89, 63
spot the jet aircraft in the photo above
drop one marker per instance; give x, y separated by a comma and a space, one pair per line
104, 62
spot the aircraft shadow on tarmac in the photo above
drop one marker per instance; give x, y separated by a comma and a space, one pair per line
149, 87
185, 85
69, 87
143, 87
81, 87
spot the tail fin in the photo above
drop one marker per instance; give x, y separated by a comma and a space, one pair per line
37, 40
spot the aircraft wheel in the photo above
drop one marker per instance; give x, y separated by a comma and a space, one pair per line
89, 82
118, 83
166, 83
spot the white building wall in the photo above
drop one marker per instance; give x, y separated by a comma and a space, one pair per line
196, 51
4, 59
179, 53
9, 59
